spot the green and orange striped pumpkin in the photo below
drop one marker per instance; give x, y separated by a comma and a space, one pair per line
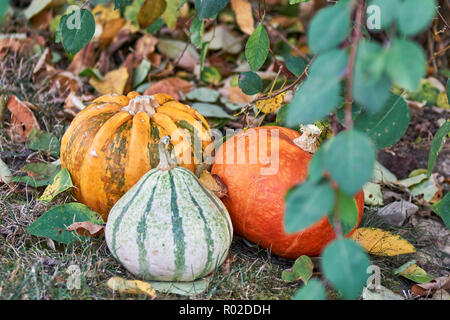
112, 143
169, 227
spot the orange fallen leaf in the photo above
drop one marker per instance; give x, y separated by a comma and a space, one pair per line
42, 20
170, 86
244, 16
110, 30
22, 118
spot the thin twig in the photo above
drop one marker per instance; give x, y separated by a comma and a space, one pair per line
351, 65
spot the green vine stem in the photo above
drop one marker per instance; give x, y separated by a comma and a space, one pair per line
165, 161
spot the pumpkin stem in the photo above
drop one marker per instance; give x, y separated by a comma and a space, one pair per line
147, 104
309, 140
165, 161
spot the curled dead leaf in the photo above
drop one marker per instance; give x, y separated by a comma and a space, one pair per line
131, 286
86, 228
22, 118
244, 16
213, 183
429, 288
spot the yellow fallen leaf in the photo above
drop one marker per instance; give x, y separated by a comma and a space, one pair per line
382, 243
270, 105
104, 13
61, 182
150, 11
113, 82
131, 286
244, 16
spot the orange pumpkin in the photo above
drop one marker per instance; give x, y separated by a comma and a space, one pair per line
112, 143
256, 202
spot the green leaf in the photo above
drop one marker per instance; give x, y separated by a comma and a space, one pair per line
437, 144
61, 183
306, 204
348, 212
203, 95
257, 48
344, 264
320, 93
119, 4
442, 209
314, 290
413, 272
296, 65
156, 26
197, 30
371, 85
250, 83
91, 72
150, 11
170, 15
302, 269
415, 15
388, 11
54, 222
388, 125
209, 8
77, 30
37, 174
211, 75
406, 64
141, 72
350, 158
4, 5
211, 110
329, 28
43, 141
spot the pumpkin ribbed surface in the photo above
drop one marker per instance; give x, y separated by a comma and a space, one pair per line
168, 227
112, 143
256, 202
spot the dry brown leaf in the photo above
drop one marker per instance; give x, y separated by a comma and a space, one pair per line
131, 286
131, 63
19, 43
235, 95
113, 82
429, 288
171, 86
86, 228
145, 46
213, 183
22, 118
42, 20
83, 59
244, 16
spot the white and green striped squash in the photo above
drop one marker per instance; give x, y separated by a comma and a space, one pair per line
168, 227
